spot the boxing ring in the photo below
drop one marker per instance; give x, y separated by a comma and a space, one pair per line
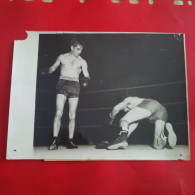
165, 84
91, 123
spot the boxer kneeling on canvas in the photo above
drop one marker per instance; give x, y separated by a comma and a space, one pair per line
136, 110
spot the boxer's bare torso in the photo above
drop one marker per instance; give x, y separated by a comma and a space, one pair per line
71, 66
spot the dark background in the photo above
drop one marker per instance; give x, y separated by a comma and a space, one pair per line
143, 65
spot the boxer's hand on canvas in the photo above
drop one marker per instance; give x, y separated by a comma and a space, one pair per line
110, 120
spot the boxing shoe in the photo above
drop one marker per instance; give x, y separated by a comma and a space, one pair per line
160, 143
71, 145
119, 145
54, 145
120, 142
172, 138
102, 145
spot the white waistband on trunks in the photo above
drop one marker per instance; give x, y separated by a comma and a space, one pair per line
69, 78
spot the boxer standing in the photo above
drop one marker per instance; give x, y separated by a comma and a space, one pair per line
68, 87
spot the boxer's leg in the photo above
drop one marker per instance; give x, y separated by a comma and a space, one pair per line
132, 127
60, 101
172, 138
160, 140
136, 114
132, 116
122, 143
73, 103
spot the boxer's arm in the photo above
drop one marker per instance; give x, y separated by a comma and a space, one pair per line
117, 109
85, 69
52, 68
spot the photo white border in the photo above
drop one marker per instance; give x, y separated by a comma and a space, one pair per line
22, 100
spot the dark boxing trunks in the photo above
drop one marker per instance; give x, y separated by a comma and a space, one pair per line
158, 111
70, 89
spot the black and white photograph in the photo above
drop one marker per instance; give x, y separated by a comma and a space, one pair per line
99, 96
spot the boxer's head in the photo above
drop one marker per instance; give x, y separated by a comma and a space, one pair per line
76, 47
